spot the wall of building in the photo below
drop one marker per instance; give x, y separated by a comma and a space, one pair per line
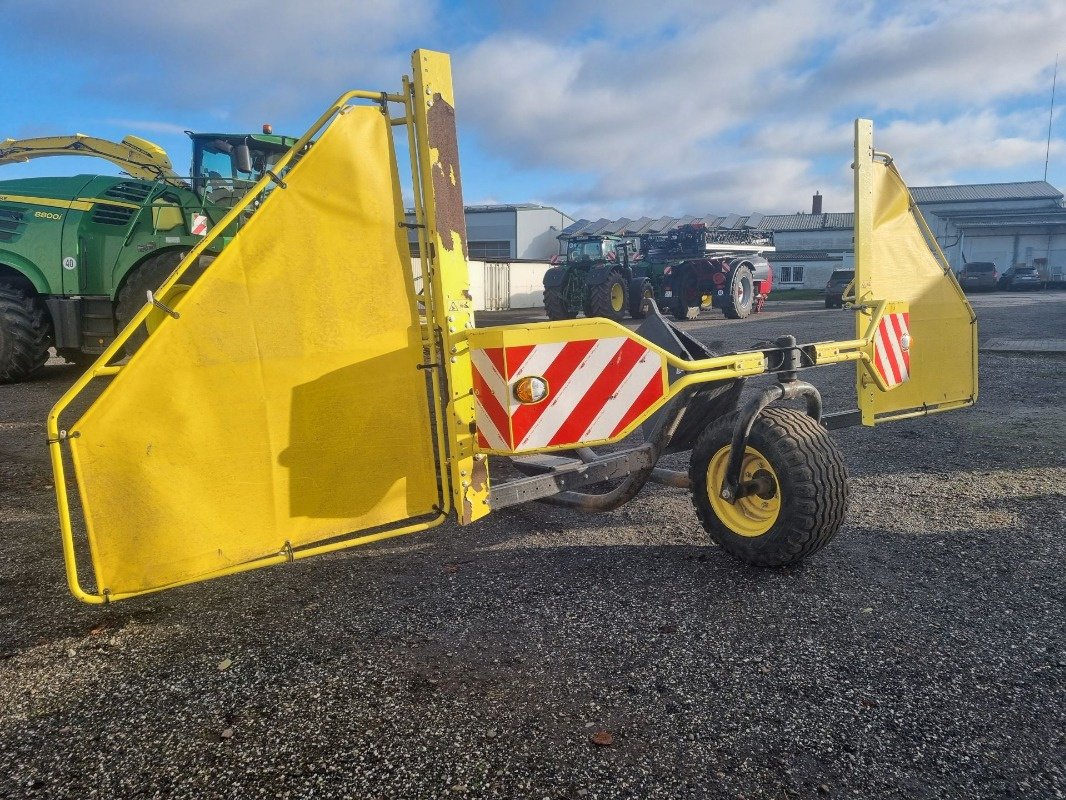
499, 285
814, 273
833, 239
492, 226
537, 232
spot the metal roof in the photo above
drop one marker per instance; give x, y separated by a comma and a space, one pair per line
774, 222
1022, 190
808, 222
1042, 218
974, 192
573, 228
637, 227
508, 207
805, 255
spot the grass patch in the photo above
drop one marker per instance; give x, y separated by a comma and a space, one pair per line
796, 294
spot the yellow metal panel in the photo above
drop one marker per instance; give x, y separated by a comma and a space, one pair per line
689, 373
450, 306
284, 406
897, 259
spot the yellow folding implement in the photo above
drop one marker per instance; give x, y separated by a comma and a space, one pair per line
302, 396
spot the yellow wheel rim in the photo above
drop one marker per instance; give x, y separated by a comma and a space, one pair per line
618, 297
706, 302
156, 315
752, 515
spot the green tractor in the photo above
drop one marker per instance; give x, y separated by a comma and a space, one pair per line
596, 278
79, 254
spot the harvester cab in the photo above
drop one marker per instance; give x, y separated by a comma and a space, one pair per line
273, 415
225, 165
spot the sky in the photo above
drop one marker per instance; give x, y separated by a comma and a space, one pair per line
605, 109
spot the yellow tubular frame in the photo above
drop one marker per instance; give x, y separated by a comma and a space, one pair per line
744, 364
422, 159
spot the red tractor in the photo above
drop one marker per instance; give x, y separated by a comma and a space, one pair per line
711, 268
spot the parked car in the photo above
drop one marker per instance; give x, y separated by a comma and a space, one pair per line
834, 290
1019, 278
979, 275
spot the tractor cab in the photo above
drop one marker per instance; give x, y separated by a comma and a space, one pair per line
594, 249
226, 165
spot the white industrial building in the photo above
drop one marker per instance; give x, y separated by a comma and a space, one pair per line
520, 232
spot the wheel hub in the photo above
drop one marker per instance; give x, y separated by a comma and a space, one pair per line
751, 515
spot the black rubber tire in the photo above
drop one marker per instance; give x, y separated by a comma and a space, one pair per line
25, 333
812, 481
740, 278
146, 277
684, 287
599, 298
829, 303
639, 307
555, 303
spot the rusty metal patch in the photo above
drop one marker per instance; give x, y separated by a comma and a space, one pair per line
447, 185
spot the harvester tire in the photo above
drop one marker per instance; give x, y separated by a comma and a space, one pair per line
740, 293
555, 305
609, 299
640, 301
805, 504
25, 333
147, 278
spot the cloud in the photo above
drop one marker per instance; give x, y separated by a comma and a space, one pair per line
600, 109
954, 54
938, 151
246, 58
721, 107
155, 126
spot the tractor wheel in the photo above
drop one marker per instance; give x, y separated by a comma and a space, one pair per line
684, 295
608, 299
25, 333
805, 500
640, 302
555, 305
147, 278
740, 293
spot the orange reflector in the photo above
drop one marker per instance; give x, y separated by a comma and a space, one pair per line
530, 390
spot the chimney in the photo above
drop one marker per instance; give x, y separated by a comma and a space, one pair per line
816, 203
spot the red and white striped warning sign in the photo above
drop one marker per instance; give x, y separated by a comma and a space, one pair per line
596, 389
199, 225
892, 349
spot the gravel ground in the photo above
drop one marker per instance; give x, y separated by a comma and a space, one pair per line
920, 655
